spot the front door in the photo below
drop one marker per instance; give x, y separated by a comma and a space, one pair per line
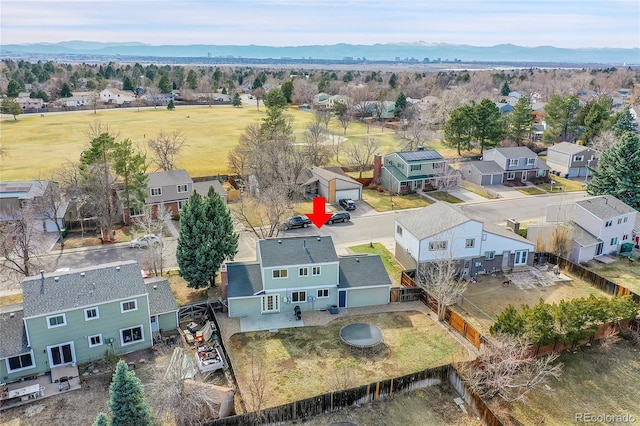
270, 303
599, 249
154, 324
521, 257
342, 299
61, 354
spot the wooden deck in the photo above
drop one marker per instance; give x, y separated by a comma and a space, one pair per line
59, 380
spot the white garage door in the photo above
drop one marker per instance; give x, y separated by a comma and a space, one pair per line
354, 194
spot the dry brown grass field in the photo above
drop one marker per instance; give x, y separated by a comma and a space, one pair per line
35, 145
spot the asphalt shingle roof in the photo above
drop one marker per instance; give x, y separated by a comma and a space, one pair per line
569, 148
328, 175
170, 177
605, 206
161, 298
516, 152
81, 287
244, 279
362, 271
296, 251
583, 237
430, 220
13, 337
202, 188
487, 167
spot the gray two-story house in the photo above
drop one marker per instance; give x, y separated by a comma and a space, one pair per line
572, 160
304, 272
43, 196
410, 171
76, 316
503, 165
169, 188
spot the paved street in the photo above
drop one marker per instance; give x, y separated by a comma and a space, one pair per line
366, 226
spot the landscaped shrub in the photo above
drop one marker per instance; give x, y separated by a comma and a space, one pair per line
569, 321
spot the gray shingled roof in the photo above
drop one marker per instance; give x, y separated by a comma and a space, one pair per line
605, 206
23, 189
171, 177
296, 251
100, 284
161, 298
487, 167
504, 232
516, 152
330, 175
569, 148
362, 271
13, 337
244, 279
583, 237
202, 188
430, 220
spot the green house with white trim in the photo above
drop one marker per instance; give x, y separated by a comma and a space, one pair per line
304, 272
76, 316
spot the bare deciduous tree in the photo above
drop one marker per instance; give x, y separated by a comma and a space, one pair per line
604, 140
414, 134
561, 239
342, 377
323, 117
20, 242
510, 370
166, 147
263, 213
303, 91
97, 184
315, 137
258, 385
361, 152
610, 337
446, 179
153, 221
173, 398
51, 204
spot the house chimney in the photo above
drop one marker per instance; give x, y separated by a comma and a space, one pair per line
420, 148
513, 225
224, 284
377, 168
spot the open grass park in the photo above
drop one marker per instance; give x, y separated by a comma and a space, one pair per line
36, 145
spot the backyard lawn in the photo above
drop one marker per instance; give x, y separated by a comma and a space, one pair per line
301, 362
621, 272
394, 269
593, 381
488, 297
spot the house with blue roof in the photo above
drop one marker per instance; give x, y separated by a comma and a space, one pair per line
76, 316
409, 171
304, 272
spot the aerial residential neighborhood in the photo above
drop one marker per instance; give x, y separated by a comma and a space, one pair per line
408, 233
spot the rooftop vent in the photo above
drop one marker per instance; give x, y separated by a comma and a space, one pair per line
82, 274
318, 238
279, 241
12, 314
118, 268
155, 287
56, 279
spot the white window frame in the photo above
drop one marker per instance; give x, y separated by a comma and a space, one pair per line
33, 362
625, 219
183, 188
415, 167
437, 245
299, 293
470, 243
322, 293
315, 271
513, 162
122, 308
86, 311
277, 274
181, 205
437, 165
608, 223
135, 212
303, 271
155, 192
619, 221
625, 237
578, 158
614, 241
531, 161
511, 175
132, 342
64, 321
399, 230
489, 255
100, 342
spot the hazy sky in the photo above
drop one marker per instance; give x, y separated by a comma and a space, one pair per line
562, 23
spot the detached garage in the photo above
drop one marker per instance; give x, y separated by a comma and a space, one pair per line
334, 185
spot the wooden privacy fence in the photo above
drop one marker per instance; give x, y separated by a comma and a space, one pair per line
591, 277
335, 401
406, 294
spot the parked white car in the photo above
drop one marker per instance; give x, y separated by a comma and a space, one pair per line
145, 241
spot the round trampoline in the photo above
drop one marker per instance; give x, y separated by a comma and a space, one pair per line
361, 335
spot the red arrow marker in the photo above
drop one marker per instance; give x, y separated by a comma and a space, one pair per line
319, 216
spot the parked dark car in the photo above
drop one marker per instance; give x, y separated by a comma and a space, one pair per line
339, 217
296, 222
347, 204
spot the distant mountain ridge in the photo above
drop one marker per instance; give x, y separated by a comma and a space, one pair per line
417, 51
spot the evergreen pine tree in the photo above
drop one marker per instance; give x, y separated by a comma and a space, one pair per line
508, 322
505, 89
102, 420
488, 131
401, 105
126, 401
236, 102
224, 241
171, 106
618, 173
625, 123
520, 122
